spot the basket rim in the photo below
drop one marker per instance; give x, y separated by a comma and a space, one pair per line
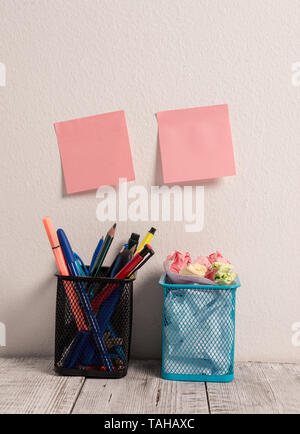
93, 279
162, 282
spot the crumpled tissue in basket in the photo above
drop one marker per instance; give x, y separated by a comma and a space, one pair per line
183, 279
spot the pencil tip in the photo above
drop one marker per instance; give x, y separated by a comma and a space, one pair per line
115, 225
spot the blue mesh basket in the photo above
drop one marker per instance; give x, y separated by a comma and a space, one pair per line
198, 332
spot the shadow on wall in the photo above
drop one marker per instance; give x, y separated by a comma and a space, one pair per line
31, 321
158, 174
147, 318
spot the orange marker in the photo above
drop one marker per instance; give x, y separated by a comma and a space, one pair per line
63, 271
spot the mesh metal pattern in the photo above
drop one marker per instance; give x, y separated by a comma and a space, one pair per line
93, 339
198, 333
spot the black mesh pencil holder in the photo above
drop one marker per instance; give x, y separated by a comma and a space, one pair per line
93, 326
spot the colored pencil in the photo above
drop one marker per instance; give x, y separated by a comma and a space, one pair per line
103, 252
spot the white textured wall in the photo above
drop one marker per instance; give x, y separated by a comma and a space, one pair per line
71, 58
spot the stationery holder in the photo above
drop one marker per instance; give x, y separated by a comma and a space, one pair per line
198, 331
93, 342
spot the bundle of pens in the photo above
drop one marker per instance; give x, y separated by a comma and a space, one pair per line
94, 304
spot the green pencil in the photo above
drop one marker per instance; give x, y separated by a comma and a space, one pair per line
103, 251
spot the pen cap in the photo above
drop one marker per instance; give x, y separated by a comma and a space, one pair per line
152, 231
146, 253
147, 249
133, 240
52, 236
134, 237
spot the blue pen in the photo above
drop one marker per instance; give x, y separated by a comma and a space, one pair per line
81, 266
103, 317
115, 267
98, 248
107, 308
95, 255
71, 263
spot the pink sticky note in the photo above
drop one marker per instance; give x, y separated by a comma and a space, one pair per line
195, 144
95, 151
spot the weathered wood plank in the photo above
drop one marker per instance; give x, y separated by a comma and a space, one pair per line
284, 381
30, 386
258, 389
142, 391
